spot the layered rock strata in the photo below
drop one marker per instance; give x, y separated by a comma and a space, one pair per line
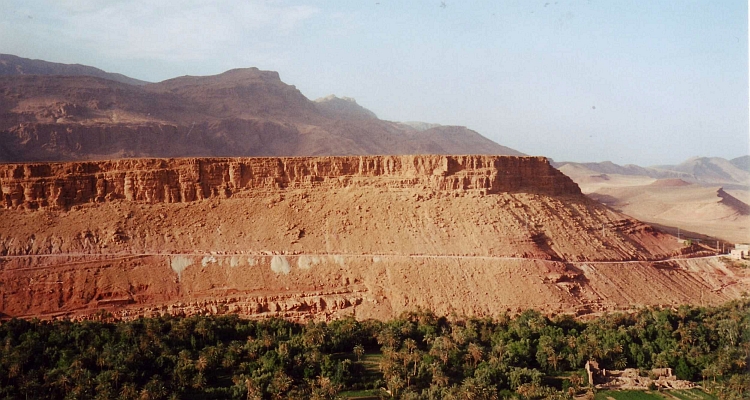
327, 287
62, 185
326, 237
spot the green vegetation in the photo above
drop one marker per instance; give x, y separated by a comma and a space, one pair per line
628, 395
355, 394
416, 356
692, 394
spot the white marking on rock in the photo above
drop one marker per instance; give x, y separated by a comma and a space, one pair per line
280, 265
208, 259
339, 260
306, 262
179, 264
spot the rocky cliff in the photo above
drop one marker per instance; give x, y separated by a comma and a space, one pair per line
62, 185
325, 237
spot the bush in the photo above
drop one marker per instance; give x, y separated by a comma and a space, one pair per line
683, 370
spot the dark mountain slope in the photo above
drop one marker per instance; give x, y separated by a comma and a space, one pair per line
14, 65
242, 112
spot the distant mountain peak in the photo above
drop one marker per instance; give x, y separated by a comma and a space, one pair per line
343, 107
707, 170
237, 76
252, 72
333, 97
420, 126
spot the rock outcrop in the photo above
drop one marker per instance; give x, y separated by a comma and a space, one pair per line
343, 107
333, 286
326, 237
62, 185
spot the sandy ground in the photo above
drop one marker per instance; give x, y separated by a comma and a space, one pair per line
700, 210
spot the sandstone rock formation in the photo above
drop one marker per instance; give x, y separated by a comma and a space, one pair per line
323, 237
181, 180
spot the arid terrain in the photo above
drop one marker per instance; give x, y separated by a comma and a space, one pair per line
86, 225
705, 198
323, 237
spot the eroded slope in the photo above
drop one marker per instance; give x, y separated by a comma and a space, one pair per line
329, 236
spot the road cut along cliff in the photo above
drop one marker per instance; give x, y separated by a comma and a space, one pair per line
326, 287
322, 237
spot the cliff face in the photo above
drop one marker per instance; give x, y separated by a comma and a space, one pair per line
61, 185
326, 237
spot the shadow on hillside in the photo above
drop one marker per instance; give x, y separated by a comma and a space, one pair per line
707, 240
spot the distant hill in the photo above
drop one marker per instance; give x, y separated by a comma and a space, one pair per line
703, 195
742, 163
705, 170
242, 112
14, 65
710, 169
343, 107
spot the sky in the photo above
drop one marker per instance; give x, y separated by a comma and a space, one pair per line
646, 82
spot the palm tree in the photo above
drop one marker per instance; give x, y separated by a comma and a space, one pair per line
323, 389
553, 358
280, 383
199, 381
128, 391
63, 382
442, 348
438, 376
394, 383
201, 364
359, 351
475, 354
154, 389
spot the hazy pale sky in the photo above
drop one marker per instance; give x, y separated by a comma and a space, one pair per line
644, 82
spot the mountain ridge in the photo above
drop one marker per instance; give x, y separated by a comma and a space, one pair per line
344, 107
242, 112
707, 170
14, 65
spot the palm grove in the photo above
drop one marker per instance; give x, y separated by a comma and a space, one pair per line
418, 355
